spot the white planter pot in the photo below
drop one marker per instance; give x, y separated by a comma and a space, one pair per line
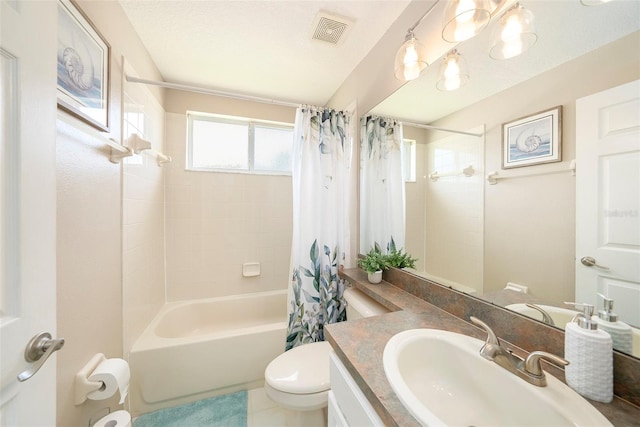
375, 277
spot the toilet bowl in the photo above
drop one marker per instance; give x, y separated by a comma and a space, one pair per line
299, 378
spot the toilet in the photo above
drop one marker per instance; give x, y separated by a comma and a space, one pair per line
299, 378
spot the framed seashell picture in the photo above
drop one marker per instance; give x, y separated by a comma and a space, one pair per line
533, 140
83, 67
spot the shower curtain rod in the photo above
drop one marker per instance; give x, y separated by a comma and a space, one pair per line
419, 125
208, 91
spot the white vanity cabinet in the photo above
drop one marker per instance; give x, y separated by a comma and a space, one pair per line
348, 406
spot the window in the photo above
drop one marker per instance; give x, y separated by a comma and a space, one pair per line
272, 148
237, 144
409, 160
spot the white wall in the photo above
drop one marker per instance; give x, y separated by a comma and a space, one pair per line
218, 221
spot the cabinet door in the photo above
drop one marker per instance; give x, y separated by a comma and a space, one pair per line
351, 402
335, 417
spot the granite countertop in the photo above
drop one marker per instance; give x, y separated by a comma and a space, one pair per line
360, 343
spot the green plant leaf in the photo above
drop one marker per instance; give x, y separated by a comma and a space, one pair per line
306, 272
377, 248
373, 261
314, 253
400, 260
392, 245
309, 297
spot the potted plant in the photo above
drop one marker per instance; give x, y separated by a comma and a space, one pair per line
373, 263
398, 259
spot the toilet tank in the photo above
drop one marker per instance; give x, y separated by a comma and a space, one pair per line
360, 305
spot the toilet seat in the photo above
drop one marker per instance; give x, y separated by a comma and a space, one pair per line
299, 378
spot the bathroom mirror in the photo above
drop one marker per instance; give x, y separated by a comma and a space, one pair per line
519, 232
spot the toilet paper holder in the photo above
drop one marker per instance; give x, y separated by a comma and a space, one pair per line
83, 385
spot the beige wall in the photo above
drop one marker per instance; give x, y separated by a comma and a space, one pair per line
89, 228
530, 222
218, 221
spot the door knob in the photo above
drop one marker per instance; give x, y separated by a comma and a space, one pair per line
591, 262
38, 350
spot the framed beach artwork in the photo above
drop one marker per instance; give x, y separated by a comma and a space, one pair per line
83, 67
533, 140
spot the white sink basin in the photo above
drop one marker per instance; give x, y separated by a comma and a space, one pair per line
440, 377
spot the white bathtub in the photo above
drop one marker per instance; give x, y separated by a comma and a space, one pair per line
198, 349
446, 282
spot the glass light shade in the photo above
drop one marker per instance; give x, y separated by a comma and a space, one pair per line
454, 72
410, 59
464, 19
514, 33
496, 5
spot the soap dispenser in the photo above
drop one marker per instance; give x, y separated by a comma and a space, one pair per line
590, 355
621, 333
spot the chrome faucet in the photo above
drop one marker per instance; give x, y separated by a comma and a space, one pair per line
529, 369
546, 318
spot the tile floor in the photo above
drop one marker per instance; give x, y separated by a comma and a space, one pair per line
262, 412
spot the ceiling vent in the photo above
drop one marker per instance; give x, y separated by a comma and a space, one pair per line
331, 29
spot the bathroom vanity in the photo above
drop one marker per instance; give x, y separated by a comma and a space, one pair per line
359, 344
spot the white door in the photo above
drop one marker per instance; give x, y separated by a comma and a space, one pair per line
27, 206
608, 199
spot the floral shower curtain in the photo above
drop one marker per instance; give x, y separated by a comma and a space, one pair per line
321, 155
382, 198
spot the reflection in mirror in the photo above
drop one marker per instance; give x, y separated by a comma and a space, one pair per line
382, 197
513, 242
446, 225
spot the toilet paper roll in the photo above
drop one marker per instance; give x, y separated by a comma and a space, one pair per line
115, 419
115, 375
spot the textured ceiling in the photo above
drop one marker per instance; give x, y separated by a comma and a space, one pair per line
259, 48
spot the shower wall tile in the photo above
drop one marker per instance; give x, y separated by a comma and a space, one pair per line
454, 219
218, 221
143, 237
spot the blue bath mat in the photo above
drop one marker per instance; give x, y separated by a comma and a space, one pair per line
229, 410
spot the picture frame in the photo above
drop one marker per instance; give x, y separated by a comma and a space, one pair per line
533, 140
83, 67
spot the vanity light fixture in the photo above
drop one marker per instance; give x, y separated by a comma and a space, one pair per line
453, 72
514, 33
464, 19
410, 59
